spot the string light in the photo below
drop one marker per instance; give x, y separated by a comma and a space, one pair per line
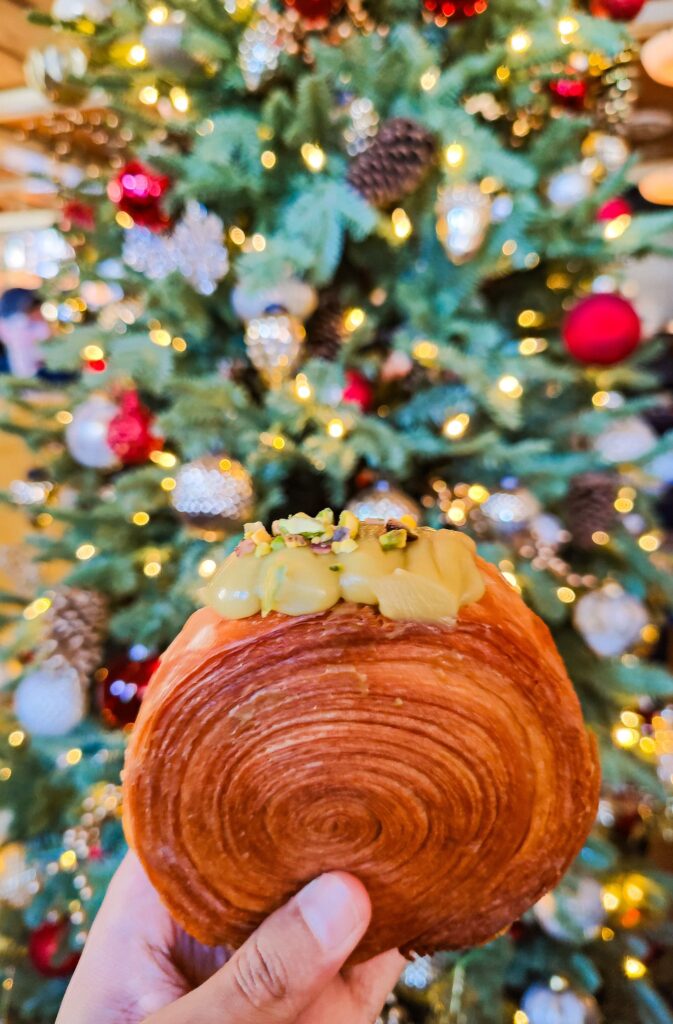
600, 399
16, 738
454, 155
353, 319
168, 483
510, 386
634, 968
179, 99
456, 426
152, 568
179, 344
532, 346
313, 156
124, 219
478, 494
64, 417
616, 227
402, 226
73, 756
158, 15
519, 41
268, 159
649, 542
36, 608
137, 54
148, 95
302, 388
429, 79
567, 26
160, 337
624, 505
625, 736
509, 247
140, 518
425, 351
207, 567
502, 73
336, 428
529, 318
258, 242
84, 552
68, 860
566, 595
600, 537
165, 459
237, 235
92, 352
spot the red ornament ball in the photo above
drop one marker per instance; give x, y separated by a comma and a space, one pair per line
138, 191
457, 10
48, 951
122, 687
614, 208
618, 10
315, 13
358, 390
602, 329
78, 215
129, 432
569, 92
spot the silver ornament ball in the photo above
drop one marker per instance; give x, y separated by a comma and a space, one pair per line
625, 440
543, 1005
610, 620
259, 52
463, 218
274, 342
511, 511
383, 501
569, 187
573, 912
86, 434
213, 493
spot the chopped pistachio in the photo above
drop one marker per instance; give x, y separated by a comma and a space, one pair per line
343, 547
336, 568
300, 525
351, 522
393, 539
277, 543
262, 549
326, 516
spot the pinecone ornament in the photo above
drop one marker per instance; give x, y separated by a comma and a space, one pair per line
590, 507
76, 626
395, 163
325, 330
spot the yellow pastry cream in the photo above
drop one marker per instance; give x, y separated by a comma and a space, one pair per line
309, 563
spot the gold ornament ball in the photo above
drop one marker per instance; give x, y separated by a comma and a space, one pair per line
463, 218
18, 881
213, 493
274, 343
54, 71
383, 501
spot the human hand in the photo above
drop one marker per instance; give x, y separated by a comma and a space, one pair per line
139, 966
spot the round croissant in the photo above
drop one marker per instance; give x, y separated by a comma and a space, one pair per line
446, 766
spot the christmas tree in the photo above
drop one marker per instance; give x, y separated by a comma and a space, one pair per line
367, 254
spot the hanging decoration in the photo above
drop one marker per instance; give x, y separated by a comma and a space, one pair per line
74, 630
130, 431
542, 1005
87, 434
274, 343
613, 208
138, 190
610, 620
625, 440
395, 164
463, 218
573, 912
260, 50
618, 10
213, 493
315, 14
569, 187
48, 951
122, 686
455, 10
295, 296
511, 511
383, 500
590, 507
570, 91
602, 328
195, 248
358, 390
362, 126
611, 151
49, 700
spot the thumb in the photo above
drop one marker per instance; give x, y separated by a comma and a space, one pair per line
287, 963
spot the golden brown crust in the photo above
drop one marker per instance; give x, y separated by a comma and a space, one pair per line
447, 767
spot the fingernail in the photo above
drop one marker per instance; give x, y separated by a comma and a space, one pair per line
330, 910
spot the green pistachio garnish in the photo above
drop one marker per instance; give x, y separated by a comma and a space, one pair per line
262, 549
393, 540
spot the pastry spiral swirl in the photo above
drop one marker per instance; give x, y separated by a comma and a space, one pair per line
447, 766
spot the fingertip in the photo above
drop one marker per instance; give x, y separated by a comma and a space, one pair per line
336, 909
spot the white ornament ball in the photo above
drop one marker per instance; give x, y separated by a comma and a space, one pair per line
625, 440
510, 511
569, 187
543, 1005
213, 493
297, 297
573, 912
73, 10
383, 501
610, 620
86, 435
50, 701
548, 530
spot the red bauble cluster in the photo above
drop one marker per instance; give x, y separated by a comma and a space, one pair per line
138, 191
614, 208
78, 215
315, 13
458, 10
358, 390
129, 432
570, 92
47, 950
602, 329
618, 10
122, 687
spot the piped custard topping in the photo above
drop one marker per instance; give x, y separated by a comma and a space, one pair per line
309, 563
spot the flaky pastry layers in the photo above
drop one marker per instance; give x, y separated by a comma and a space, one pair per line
446, 766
